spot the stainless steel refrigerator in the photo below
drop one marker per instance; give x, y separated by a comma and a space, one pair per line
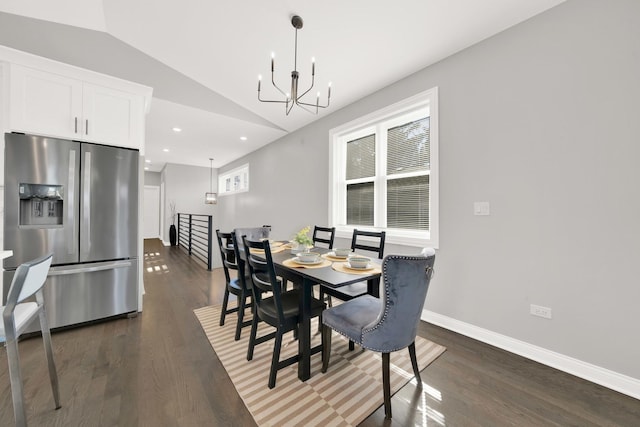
79, 201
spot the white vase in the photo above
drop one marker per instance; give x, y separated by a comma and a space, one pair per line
296, 247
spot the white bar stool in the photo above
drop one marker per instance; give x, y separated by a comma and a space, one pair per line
17, 316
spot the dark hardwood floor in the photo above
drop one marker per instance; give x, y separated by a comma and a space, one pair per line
158, 369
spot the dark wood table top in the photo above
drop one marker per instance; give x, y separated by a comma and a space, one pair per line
326, 276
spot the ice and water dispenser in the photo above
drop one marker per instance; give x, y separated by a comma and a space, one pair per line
41, 204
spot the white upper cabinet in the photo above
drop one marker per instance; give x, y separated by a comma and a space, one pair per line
110, 115
44, 103
63, 106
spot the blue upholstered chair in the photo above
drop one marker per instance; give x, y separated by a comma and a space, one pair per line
388, 323
252, 233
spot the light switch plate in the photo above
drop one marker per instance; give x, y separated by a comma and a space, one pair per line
481, 208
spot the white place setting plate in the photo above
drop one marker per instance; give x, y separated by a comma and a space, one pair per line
299, 261
366, 267
333, 255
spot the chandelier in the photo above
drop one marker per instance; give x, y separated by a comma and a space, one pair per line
293, 97
210, 198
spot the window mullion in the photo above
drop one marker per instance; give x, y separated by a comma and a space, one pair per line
341, 188
380, 218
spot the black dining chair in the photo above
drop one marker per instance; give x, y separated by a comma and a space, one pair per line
323, 235
17, 316
280, 309
388, 323
375, 244
238, 286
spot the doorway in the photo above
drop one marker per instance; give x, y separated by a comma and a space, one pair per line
151, 218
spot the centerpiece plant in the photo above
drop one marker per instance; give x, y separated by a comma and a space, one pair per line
302, 239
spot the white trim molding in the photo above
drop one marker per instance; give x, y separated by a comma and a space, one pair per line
596, 374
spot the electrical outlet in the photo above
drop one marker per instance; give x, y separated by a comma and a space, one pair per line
540, 311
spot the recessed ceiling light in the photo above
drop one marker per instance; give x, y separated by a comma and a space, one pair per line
166, 150
177, 130
147, 161
146, 169
243, 138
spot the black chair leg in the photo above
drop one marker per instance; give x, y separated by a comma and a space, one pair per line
352, 346
242, 300
225, 301
386, 385
326, 347
414, 363
276, 358
252, 336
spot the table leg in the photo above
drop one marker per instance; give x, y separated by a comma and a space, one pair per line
373, 287
304, 331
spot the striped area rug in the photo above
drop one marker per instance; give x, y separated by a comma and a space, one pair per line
344, 396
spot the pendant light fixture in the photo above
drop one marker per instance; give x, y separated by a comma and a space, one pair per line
210, 198
293, 97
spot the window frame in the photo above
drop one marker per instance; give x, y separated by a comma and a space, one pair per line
385, 118
236, 172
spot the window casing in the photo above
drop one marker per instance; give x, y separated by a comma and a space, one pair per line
384, 172
234, 181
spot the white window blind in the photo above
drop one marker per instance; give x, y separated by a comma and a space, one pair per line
408, 175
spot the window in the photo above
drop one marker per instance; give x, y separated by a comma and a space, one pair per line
384, 172
234, 181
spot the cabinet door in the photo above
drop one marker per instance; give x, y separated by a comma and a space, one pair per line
45, 103
112, 117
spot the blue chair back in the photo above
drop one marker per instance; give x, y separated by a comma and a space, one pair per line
406, 281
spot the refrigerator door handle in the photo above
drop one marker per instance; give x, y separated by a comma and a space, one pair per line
82, 268
86, 205
71, 227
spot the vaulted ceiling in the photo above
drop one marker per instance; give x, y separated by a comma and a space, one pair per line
202, 58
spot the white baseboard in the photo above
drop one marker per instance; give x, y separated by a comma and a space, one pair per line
166, 243
596, 374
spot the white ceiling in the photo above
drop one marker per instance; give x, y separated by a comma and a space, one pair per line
203, 57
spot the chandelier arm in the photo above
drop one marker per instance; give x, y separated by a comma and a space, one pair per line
276, 102
312, 105
313, 80
289, 108
302, 105
267, 100
273, 82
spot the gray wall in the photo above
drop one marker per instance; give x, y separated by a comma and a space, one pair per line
186, 186
542, 121
152, 178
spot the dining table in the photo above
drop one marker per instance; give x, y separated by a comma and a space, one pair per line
306, 278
